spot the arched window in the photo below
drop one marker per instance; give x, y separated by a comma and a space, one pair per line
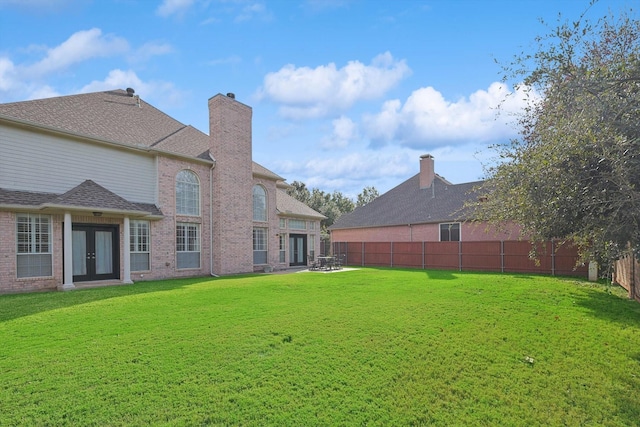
259, 203
187, 193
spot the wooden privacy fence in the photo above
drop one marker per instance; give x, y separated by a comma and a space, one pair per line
500, 256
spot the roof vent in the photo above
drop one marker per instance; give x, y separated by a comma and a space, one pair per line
130, 91
231, 95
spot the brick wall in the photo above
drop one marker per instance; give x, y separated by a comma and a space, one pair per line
421, 233
163, 232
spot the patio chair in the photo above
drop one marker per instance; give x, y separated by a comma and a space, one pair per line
313, 263
339, 261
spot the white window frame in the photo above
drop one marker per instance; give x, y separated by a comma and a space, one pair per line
259, 203
312, 245
449, 225
187, 245
187, 193
283, 247
34, 245
140, 244
297, 224
260, 246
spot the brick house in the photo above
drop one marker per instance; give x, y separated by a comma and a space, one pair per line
105, 188
424, 208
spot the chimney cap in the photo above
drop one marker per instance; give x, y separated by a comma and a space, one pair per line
426, 156
130, 91
231, 95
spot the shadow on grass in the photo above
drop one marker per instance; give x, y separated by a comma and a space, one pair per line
614, 308
13, 306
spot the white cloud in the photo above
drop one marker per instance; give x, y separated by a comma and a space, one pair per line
79, 47
428, 119
173, 7
305, 92
7, 74
164, 94
42, 92
354, 171
344, 131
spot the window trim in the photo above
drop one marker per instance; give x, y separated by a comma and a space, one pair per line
264, 242
265, 208
297, 224
135, 242
34, 245
188, 189
188, 247
450, 224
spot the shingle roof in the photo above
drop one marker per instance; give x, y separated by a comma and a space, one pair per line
287, 205
86, 196
260, 170
409, 204
111, 116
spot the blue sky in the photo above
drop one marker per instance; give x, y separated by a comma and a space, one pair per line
345, 93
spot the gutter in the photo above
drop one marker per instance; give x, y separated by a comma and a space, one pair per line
211, 216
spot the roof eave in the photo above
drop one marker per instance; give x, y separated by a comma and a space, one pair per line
94, 210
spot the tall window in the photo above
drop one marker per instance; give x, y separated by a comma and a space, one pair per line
450, 232
34, 245
139, 244
312, 245
259, 203
259, 245
188, 245
283, 249
187, 193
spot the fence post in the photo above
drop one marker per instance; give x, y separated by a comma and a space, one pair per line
391, 257
459, 255
553, 258
502, 256
362, 262
424, 266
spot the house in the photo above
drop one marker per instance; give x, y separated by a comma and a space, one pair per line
424, 208
105, 188
425, 223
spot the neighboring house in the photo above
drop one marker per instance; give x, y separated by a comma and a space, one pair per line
426, 207
103, 187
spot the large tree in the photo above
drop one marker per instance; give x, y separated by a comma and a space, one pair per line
574, 172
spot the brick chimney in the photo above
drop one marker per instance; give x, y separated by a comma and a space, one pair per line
427, 171
232, 204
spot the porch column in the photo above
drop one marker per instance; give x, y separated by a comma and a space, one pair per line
127, 252
68, 254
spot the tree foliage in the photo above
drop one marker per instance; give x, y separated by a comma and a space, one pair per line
331, 205
574, 172
368, 195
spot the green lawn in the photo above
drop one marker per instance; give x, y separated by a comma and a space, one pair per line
367, 347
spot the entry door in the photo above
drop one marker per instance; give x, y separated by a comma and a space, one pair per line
95, 252
297, 249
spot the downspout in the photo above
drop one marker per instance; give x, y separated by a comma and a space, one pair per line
211, 216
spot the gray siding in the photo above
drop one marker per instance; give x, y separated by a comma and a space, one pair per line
42, 163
